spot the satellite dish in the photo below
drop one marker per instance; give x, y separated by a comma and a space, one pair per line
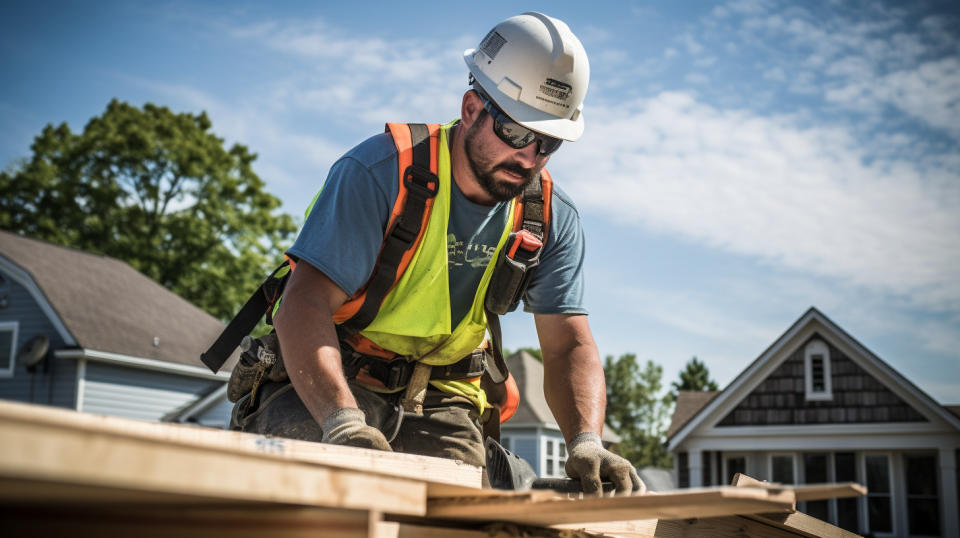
33, 351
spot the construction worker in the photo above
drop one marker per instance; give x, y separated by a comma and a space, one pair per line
528, 79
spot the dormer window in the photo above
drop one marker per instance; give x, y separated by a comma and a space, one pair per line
816, 361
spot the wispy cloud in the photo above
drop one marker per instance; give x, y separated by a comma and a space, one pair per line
803, 197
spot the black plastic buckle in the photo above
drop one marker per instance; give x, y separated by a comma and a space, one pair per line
399, 372
421, 181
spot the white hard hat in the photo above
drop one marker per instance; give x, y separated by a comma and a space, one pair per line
536, 71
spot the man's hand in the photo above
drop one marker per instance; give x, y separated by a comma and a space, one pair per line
347, 426
589, 461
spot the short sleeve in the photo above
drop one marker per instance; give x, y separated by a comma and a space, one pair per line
344, 229
557, 284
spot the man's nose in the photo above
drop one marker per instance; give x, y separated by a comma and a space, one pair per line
529, 154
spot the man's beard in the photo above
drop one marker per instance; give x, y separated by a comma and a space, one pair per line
499, 190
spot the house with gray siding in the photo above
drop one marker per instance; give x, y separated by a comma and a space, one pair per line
532, 433
88, 332
818, 406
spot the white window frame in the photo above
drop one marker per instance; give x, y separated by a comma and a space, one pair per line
894, 506
817, 347
792, 456
13, 327
733, 455
557, 459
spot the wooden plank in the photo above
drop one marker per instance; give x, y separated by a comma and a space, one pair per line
740, 526
680, 504
806, 492
422, 468
186, 522
803, 525
41, 456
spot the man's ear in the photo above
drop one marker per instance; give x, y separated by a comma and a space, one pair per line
470, 108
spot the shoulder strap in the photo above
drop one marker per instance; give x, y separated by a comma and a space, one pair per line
417, 146
417, 163
532, 215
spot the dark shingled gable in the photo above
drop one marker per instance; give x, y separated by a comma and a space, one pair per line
109, 306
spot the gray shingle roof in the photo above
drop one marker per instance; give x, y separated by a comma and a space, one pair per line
689, 403
109, 306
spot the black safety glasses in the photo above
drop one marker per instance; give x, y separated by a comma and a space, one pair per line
515, 135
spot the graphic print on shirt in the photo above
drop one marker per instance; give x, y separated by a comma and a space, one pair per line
476, 255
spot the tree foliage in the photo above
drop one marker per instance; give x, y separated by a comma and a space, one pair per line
695, 376
636, 412
158, 190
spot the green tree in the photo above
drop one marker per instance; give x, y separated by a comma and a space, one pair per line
635, 411
694, 376
158, 190
533, 351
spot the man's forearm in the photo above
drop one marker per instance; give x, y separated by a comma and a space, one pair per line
575, 393
573, 374
311, 350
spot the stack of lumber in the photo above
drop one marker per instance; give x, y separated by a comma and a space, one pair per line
76, 474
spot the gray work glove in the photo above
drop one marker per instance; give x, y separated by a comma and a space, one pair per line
348, 427
589, 461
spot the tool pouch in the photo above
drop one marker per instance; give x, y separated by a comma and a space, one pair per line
512, 272
260, 358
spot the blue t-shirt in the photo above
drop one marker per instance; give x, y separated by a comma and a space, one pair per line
344, 230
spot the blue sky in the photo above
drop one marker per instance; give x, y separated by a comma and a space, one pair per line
742, 160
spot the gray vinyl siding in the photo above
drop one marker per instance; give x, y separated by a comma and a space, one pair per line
217, 415
57, 385
136, 393
525, 443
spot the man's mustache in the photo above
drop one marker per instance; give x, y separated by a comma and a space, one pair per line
526, 173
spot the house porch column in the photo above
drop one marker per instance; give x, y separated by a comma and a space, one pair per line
948, 492
696, 468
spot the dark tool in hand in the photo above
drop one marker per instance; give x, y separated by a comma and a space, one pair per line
506, 470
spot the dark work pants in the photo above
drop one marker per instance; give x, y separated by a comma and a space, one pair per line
449, 428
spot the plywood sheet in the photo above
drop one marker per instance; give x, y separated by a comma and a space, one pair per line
50, 457
806, 492
186, 522
680, 504
423, 468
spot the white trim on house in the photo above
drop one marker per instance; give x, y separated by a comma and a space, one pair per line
81, 384
814, 430
813, 322
24, 279
139, 362
14, 327
203, 404
839, 442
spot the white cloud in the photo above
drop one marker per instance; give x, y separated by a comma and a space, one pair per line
800, 197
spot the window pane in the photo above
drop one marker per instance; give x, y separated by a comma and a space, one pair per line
818, 509
734, 466
816, 367
922, 475
878, 474
563, 449
848, 517
879, 510
845, 467
549, 467
924, 516
783, 469
549, 447
6, 353
815, 468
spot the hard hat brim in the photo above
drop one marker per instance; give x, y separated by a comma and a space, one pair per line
524, 114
